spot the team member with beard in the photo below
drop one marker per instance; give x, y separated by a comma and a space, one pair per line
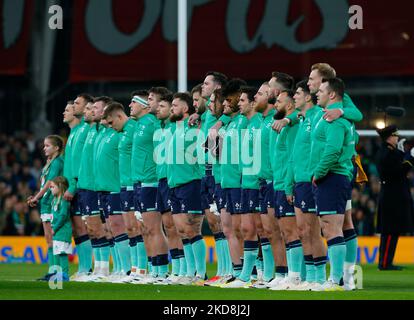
281, 145
74, 147
184, 181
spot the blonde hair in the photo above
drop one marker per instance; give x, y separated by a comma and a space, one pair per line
63, 185
325, 70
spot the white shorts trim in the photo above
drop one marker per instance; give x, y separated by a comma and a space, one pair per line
61, 247
348, 205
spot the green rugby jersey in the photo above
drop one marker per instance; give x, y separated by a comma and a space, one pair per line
126, 137
162, 138
250, 171
351, 112
107, 162
86, 179
144, 169
61, 223
67, 168
208, 120
49, 172
332, 146
101, 134
262, 149
280, 148
298, 168
182, 166
230, 155
78, 144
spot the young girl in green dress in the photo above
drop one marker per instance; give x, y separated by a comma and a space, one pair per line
53, 149
61, 226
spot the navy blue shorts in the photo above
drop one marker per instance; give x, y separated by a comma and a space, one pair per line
207, 191
148, 199
332, 193
186, 198
88, 202
74, 206
219, 197
250, 201
304, 198
137, 196
111, 203
233, 200
266, 195
163, 196
127, 199
282, 206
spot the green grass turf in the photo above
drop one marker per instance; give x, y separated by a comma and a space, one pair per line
16, 282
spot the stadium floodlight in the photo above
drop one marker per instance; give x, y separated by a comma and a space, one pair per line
182, 45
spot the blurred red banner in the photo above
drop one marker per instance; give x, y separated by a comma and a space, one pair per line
15, 19
120, 40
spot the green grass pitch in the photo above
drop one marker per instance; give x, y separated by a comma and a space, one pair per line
17, 283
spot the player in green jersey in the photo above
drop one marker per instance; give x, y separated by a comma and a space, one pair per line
144, 174
251, 225
80, 233
332, 149
272, 244
184, 181
231, 174
108, 184
298, 187
88, 196
278, 82
119, 121
162, 138
84, 249
53, 149
350, 112
281, 145
206, 121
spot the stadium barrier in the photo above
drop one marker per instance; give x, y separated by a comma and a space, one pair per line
34, 250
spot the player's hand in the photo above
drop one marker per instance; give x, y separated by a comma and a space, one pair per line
400, 145
289, 199
32, 201
213, 132
278, 125
333, 114
68, 196
314, 182
192, 120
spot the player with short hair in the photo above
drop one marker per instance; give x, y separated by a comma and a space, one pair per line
88, 199
231, 174
250, 221
298, 186
145, 180
162, 138
206, 121
117, 118
281, 145
73, 152
108, 184
184, 181
332, 149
